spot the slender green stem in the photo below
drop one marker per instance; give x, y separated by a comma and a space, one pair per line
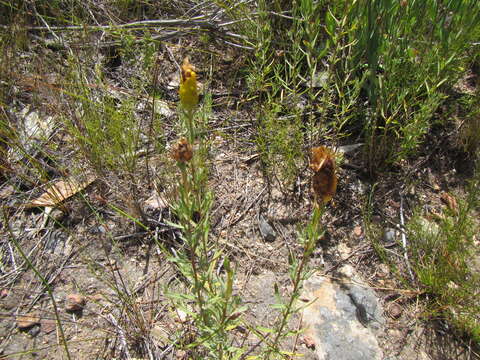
311, 236
189, 114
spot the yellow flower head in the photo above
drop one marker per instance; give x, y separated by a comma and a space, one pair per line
188, 86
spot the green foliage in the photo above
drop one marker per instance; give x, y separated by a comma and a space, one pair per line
107, 133
211, 304
469, 134
298, 273
320, 71
280, 142
385, 66
408, 60
446, 261
103, 127
209, 297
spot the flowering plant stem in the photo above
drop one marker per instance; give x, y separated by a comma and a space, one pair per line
298, 274
209, 299
190, 129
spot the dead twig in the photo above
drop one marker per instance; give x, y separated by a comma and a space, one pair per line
361, 250
404, 240
244, 212
121, 332
50, 280
196, 21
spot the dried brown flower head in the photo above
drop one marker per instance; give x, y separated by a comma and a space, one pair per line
324, 180
182, 151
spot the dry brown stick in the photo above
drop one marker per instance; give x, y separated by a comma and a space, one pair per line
199, 20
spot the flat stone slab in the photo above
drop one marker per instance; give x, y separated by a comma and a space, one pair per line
342, 319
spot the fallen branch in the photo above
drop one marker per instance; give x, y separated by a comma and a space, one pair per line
196, 21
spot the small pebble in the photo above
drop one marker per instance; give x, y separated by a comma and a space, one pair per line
357, 231
181, 354
34, 330
75, 302
389, 236
3, 293
395, 310
268, 233
383, 270
57, 214
308, 341
182, 316
48, 325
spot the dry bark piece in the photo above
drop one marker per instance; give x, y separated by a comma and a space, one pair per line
450, 201
60, 191
75, 302
27, 321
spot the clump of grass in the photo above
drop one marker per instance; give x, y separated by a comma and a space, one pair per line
445, 259
279, 141
469, 132
441, 260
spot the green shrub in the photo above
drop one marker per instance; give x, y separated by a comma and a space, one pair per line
446, 261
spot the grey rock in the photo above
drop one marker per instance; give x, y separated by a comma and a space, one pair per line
389, 236
368, 310
267, 231
162, 108
34, 126
342, 319
34, 330
348, 148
